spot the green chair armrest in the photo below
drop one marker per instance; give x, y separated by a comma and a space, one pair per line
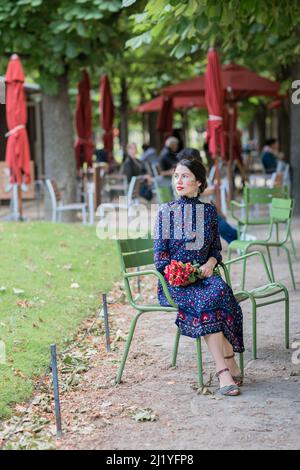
236, 205
153, 272
248, 255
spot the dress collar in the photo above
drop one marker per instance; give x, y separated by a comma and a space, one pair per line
186, 199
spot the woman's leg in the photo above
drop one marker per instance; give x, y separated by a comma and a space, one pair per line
215, 344
230, 363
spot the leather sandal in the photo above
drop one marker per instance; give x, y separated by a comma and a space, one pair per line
239, 379
228, 390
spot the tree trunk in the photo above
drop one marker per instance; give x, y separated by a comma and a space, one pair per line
124, 113
58, 142
284, 115
251, 130
295, 144
154, 136
260, 125
284, 130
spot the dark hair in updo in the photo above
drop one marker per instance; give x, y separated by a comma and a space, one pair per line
191, 159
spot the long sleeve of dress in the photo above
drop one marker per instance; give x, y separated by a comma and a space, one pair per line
161, 246
215, 247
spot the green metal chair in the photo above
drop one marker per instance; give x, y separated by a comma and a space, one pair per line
136, 253
164, 194
281, 212
270, 293
257, 197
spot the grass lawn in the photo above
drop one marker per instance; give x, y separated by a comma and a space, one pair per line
43, 260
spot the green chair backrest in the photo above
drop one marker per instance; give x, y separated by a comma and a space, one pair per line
135, 252
282, 209
264, 195
164, 194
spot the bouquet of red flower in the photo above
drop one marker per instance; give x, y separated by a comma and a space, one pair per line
182, 274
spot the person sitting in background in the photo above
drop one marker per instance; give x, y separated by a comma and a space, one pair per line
167, 158
149, 154
269, 155
227, 232
132, 166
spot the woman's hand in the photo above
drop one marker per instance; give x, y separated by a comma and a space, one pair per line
208, 268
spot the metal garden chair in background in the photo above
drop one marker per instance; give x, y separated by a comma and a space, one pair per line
254, 198
281, 212
267, 294
57, 205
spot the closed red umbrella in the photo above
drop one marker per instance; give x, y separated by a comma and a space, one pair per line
84, 146
165, 118
17, 155
214, 97
107, 115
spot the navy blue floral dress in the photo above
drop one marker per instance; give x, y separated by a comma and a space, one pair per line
208, 305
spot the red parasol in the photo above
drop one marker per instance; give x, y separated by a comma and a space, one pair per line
214, 97
180, 102
107, 115
84, 146
241, 82
17, 147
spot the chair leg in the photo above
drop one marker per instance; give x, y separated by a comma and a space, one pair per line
277, 236
242, 363
270, 264
199, 361
293, 244
254, 331
290, 266
244, 273
287, 319
127, 346
229, 258
83, 215
175, 348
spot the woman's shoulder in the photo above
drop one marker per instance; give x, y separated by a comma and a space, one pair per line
210, 209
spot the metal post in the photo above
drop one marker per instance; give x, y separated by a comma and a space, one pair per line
105, 312
15, 198
56, 390
139, 282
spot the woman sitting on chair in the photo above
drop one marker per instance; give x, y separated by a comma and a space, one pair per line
187, 230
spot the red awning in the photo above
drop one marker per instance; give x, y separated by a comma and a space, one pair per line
236, 79
84, 146
179, 102
17, 155
107, 115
